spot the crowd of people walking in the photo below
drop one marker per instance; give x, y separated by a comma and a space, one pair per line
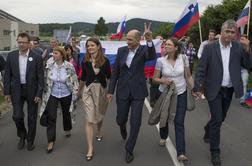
46, 78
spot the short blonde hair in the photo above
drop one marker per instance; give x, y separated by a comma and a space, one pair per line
62, 52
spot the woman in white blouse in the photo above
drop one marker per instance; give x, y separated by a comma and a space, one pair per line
61, 87
172, 68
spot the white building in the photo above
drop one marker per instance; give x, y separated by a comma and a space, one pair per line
10, 27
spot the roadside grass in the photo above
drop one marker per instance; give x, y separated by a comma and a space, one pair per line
45, 38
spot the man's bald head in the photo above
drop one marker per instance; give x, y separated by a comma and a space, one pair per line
136, 33
133, 38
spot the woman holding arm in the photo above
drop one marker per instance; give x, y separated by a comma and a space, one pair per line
61, 87
95, 73
173, 67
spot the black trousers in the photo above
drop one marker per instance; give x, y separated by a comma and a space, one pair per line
218, 108
51, 109
18, 116
136, 107
164, 131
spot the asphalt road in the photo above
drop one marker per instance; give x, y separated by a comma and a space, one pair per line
236, 137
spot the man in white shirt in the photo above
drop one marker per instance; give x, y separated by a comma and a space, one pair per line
129, 78
219, 71
24, 81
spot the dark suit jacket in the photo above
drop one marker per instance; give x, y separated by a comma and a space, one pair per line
210, 69
131, 81
2, 63
34, 76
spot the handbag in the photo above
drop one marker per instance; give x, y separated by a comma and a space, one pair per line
190, 99
44, 119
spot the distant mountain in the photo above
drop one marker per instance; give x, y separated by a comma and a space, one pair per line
88, 28
135, 23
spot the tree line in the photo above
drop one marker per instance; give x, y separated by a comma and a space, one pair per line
212, 18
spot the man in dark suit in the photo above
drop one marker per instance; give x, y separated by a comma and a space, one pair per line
128, 75
23, 81
219, 71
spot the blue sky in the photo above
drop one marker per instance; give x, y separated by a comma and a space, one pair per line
69, 11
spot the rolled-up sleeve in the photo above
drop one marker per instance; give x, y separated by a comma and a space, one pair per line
158, 64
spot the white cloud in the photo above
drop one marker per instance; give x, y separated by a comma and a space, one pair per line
65, 11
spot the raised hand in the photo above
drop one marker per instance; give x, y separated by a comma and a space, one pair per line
147, 32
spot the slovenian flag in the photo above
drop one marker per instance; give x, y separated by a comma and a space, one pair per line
120, 30
188, 18
110, 49
244, 17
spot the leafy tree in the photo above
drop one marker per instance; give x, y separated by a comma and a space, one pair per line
164, 30
101, 28
214, 16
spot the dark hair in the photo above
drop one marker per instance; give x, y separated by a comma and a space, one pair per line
190, 41
62, 52
176, 44
212, 31
24, 35
100, 58
66, 48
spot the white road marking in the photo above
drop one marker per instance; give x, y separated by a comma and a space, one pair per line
169, 145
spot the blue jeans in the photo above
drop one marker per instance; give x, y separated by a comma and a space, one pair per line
179, 123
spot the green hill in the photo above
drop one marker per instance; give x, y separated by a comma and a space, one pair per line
79, 28
136, 23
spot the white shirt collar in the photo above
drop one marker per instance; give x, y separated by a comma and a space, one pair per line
26, 54
134, 51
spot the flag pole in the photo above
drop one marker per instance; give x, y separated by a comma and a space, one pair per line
248, 19
200, 31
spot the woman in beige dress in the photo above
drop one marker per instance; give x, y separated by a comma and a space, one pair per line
95, 73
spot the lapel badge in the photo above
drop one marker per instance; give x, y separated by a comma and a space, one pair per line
30, 59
